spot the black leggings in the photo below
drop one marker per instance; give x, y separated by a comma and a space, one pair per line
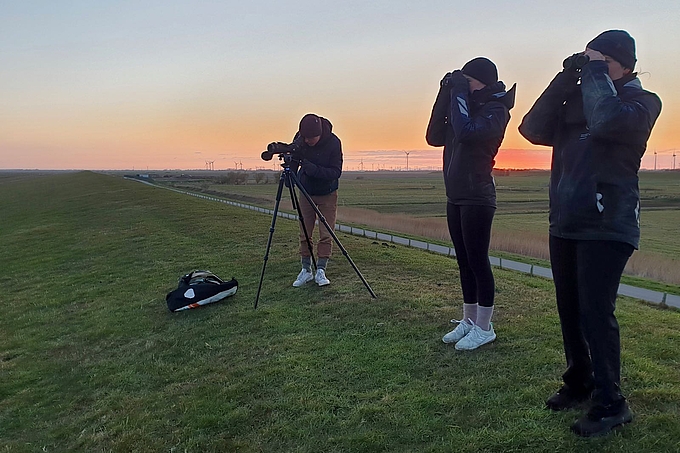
470, 230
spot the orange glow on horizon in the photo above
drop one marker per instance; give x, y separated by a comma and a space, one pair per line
184, 138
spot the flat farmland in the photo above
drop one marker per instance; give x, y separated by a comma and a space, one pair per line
414, 203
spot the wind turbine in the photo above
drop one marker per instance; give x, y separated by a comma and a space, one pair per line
654, 159
407, 153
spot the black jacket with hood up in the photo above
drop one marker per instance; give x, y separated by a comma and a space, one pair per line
598, 130
471, 128
321, 165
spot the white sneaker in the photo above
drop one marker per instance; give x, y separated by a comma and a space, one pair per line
320, 278
303, 277
462, 329
476, 338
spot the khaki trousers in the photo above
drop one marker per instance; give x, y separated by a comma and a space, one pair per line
328, 205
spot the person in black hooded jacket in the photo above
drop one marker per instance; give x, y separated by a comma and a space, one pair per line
468, 119
319, 170
598, 119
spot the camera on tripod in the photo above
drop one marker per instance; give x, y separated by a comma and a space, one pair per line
293, 153
290, 150
576, 62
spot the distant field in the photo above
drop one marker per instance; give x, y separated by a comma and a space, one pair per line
381, 199
92, 361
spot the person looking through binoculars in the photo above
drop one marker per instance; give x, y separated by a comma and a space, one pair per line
318, 164
597, 118
468, 119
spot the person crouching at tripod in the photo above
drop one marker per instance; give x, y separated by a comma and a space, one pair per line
318, 173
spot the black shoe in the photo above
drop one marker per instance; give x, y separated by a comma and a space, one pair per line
600, 420
566, 398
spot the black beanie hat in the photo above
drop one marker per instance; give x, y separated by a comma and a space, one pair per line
617, 44
310, 126
481, 69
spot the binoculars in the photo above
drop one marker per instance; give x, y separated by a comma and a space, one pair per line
576, 61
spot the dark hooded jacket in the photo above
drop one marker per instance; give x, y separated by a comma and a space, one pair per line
598, 130
321, 164
471, 128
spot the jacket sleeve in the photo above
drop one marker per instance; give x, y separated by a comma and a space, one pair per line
540, 123
436, 128
490, 123
334, 168
611, 118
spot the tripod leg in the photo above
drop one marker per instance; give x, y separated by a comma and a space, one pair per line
322, 219
271, 234
296, 204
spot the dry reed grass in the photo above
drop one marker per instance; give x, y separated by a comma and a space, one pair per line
430, 227
654, 267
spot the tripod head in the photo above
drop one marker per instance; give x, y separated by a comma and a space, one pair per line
289, 159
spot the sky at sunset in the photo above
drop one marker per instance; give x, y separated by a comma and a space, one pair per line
173, 84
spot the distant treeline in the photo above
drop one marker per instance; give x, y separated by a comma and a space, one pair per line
239, 177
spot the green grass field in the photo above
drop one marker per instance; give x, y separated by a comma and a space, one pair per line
91, 360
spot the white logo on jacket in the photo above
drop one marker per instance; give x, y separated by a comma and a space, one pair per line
462, 106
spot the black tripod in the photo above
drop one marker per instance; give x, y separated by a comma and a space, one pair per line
290, 179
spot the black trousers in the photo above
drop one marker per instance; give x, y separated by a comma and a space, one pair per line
587, 276
470, 230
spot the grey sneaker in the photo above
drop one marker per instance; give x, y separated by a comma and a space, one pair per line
320, 278
462, 329
303, 277
476, 338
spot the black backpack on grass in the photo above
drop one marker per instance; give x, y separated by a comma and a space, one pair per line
199, 288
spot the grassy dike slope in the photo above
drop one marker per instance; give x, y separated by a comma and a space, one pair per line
91, 360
